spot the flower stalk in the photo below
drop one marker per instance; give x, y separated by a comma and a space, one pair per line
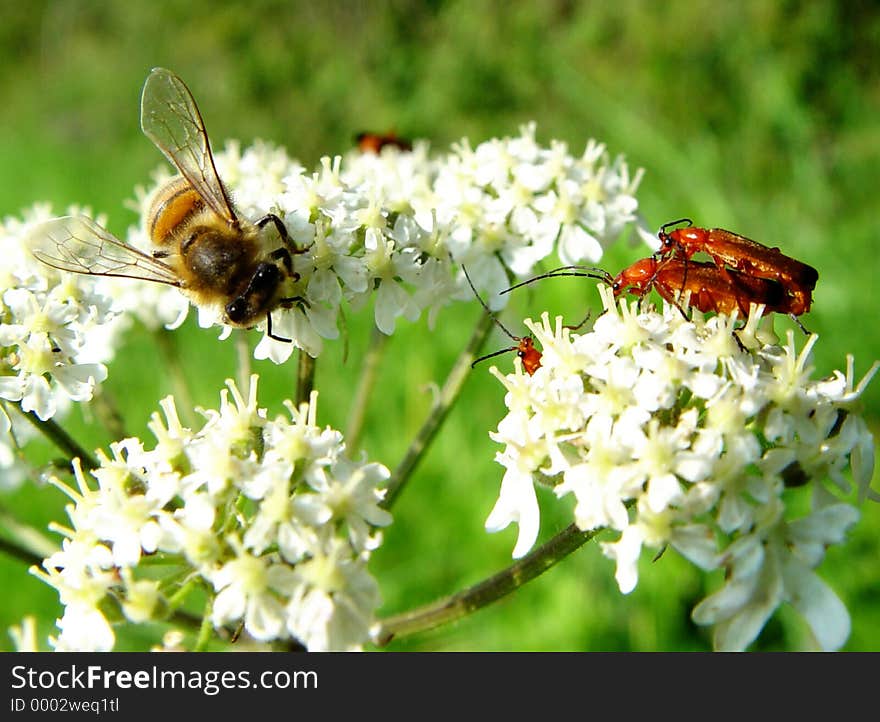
169, 351
439, 410
305, 380
53, 431
366, 383
468, 601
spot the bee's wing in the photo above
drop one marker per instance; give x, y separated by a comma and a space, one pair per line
171, 119
79, 245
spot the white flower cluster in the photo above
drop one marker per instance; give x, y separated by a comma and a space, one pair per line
56, 333
390, 226
692, 435
393, 224
48, 326
268, 516
385, 226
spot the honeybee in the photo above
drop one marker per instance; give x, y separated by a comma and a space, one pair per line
201, 245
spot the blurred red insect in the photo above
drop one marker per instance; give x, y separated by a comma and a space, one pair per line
525, 345
374, 142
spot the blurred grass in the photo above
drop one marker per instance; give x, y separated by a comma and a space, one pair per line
754, 116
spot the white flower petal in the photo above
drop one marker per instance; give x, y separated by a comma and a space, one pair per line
517, 503
818, 604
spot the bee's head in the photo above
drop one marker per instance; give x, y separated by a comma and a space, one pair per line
238, 310
257, 297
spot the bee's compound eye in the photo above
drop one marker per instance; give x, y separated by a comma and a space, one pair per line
237, 309
267, 273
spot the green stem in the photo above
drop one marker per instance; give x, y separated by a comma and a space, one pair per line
442, 405
23, 542
243, 359
369, 372
207, 628
11, 549
305, 377
185, 619
469, 600
179, 597
64, 441
181, 617
108, 413
168, 349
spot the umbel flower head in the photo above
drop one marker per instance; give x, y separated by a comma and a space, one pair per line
53, 329
694, 435
390, 228
56, 333
269, 517
387, 227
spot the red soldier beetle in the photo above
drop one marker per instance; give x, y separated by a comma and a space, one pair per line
525, 345
712, 289
731, 250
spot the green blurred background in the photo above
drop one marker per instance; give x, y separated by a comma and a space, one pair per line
757, 116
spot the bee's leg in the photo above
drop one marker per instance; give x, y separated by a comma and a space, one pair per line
292, 301
283, 255
272, 335
282, 231
161, 254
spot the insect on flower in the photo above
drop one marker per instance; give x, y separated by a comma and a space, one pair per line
374, 142
711, 289
728, 249
201, 245
525, 345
